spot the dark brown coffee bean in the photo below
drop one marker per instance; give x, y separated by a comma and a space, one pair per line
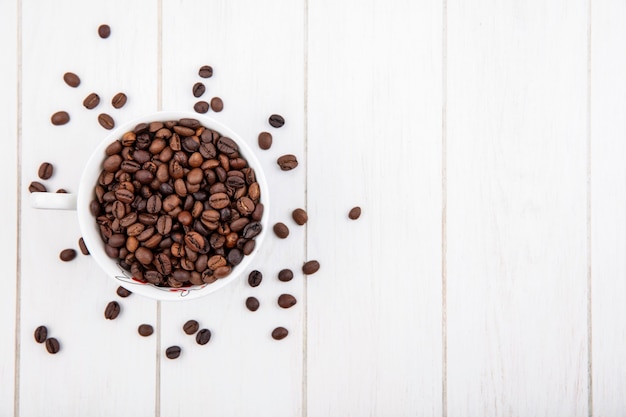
52, 345
276, 120
217, 104
201, 107
280, 333
119, 100
206, 71
164, 224
287, 162
252, 303
71, 79
354, 213
172, 352
37, 187
194, 241
83, 247
254, 278
106, 121
203, 337
145, 330
117, 240
154, 204
91, 101
286, 300
228, 146
198, 89
300, 216
61, 191
60, 118
41, 334
190, 327
112, 310
189, 122
67, 255
45, 170
310, 267
235, 256
104, 31
144, 176
123, 292
249, 246
153, 277
265, 140
126, 196
144, 255
281, 230
285, 275
219, 200
252, 230
222, 271
245, 206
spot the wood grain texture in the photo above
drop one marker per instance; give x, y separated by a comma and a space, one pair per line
608, 177
257, 52
517, 240
104, 367
374, 309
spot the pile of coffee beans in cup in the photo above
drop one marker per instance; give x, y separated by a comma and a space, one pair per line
177, 204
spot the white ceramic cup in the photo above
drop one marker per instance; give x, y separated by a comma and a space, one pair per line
90, 230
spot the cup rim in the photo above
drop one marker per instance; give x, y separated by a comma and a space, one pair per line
91, 234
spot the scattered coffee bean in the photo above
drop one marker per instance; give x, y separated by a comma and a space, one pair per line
217, 104
281, 230
172, 352
300, 216
285, 275
206, 71
203, 337
104, 31
71, 79
201, 107
252, 303
60, 118
91, 101
61, 191
123, 292
287, 162
190, 327
106, 121
112, 310
52, 345
355, 213
67, 255
254, 278
37, 187
310, 267
286, 300
265, 140
198, 89
276, 120
280, 333
45, 170
119, 100
145, 330
41, 334
82, 246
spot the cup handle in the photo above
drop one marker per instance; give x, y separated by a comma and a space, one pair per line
53, 201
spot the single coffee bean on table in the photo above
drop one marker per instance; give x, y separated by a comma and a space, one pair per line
198, 89
45, 170
67, 255
310, 267
37, 187
71, 79
123, 292
217, 104
355, 213
201, 107
286, 300
276, 120
205, 71
52, 345
287, 162
145, 330
106, 121
203, 337
41, 334
91, 101
104, 31
254, 278
190, 327
281, 230
172, 352
279, 333
119, 100
265, 140
112, 310
285, 275
252, 303
60, 118
300, 216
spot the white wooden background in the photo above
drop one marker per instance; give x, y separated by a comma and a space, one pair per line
484, 141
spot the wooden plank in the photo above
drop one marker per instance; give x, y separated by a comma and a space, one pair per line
104, 367
374, 339
257, 52
517, 207
608, 204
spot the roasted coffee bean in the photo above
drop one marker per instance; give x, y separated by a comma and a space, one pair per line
164, 224
37, 187
117, 240
285, 275
219, 200
265, 140
67, 255
281, 230
203, 337
287, 162
41, 334
286, 300
300, 216
310, 267
60, 118
279, 333
172, 352
153, 277
123, 292
91, 101
83, 247
217, 104
112, 310
194, 241
71, 79
61, 191
235, 256
222, 272
252, 230
245, 206
106, 121
201, 107
190, 327
52, 345
45, 170
112, 163
104, 31
252, 303
126, 196
354, 213
206, 71
145, 330
249, 246
276, 120
119, 100
254, 278
154, 204
228, 146
198, 89
144, 255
